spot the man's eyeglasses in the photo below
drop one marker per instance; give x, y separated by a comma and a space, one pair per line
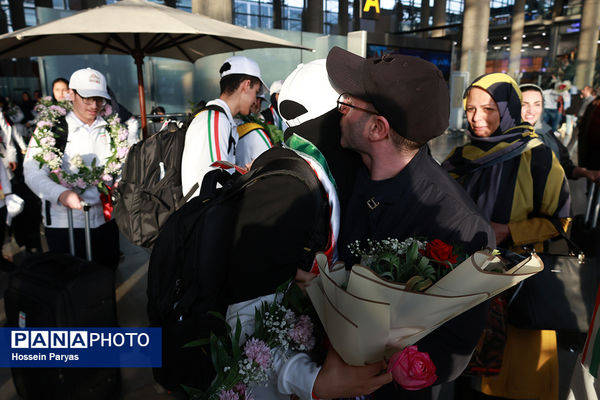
345, 101
100, 101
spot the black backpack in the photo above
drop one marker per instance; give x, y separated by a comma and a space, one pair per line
229, 245
150, 188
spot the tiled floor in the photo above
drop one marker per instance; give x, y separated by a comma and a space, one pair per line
131, 293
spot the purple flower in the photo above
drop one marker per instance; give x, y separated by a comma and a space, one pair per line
123, 133
228, 395
80, 183
42, 124
256, 350
302, 332
240, 388
107, 110
48, 141
47, 98
122, 152
58, 109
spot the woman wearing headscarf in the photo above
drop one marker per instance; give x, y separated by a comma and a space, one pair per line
518, 185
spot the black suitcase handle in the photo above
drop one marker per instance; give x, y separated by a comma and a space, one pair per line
88, 239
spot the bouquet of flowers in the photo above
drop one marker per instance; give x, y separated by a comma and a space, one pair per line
404, 291
240, 365
415, 263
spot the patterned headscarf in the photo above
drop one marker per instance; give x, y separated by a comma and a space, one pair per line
507, 95
477, 166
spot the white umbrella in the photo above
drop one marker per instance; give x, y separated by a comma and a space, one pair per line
139, 28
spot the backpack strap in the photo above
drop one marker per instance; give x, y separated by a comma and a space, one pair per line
212, 107
246, 128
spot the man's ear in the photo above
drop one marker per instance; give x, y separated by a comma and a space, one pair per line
245, 85
379, 128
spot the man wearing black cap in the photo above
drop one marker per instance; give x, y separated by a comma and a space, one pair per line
390, 108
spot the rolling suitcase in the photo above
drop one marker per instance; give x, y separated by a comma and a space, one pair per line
60, 290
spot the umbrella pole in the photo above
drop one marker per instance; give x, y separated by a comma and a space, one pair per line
139, 61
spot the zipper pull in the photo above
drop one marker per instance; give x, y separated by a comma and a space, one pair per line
162, 170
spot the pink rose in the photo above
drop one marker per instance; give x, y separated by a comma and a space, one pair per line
412, 369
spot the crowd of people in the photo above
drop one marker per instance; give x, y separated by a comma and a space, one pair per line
371, 123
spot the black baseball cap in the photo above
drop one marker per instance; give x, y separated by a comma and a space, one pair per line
409, 92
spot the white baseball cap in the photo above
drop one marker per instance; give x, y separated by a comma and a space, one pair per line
276, 87
89, 83
242, 65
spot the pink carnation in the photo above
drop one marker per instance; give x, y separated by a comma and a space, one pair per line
228, 395
49, 157
47, 98
58, 109
302, 332
412, 369
42, 124
106, 178
122, 152
241, 389
123, 133
48, 141
107, 110
256, 350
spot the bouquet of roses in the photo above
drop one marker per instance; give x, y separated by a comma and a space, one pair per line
401, 291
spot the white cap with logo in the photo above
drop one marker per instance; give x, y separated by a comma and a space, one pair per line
242, 65
89, 83
276, 87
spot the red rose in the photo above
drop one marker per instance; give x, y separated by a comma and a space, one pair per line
412, 369
440, 251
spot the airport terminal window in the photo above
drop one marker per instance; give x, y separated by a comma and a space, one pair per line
330, 16
28, 10
253, 13
291, 15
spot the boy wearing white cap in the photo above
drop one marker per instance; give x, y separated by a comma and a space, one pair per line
81, 135
212, 134
271, 114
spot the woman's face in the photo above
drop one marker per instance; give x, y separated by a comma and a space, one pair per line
532, 107
60, 90
482, 112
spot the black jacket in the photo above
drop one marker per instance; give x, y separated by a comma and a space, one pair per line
422, 200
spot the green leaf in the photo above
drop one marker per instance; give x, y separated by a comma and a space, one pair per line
197, 343
412, 253
54, 177
194, 393
387, 275
102, 188
284, 286
235, 341
213, 350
